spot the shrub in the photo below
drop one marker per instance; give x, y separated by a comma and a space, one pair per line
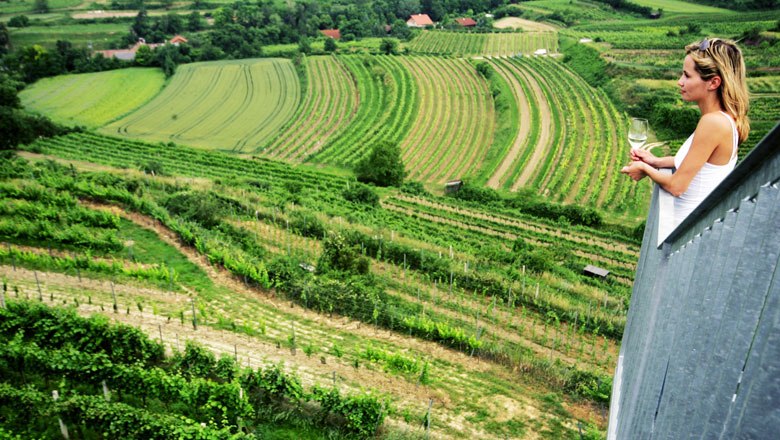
383, 167
360, 193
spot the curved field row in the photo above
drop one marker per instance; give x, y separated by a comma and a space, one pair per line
388, 102
453, 127
331, 102
551, 134
495, 44
93, 99
533, 137
578, 146
232, 105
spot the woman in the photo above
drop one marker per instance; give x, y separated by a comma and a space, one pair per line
714, 78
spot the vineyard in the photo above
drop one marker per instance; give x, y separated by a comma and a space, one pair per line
491, 44
437, 276
105, 96
452, 128
234, 106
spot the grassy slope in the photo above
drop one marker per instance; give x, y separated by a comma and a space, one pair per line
93, 99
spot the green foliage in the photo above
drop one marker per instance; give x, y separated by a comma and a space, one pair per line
359, 193
479, 194
587, 62
201, 207
383, 167
485, 70
330, 45
389, 46
19, 21
341, 255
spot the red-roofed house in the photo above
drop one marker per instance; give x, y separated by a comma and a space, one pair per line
331, 33
419, 20
178, 39
466, 22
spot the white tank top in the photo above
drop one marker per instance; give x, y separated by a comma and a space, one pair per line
708, 177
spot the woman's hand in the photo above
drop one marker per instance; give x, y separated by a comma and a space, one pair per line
635, 170
643, 156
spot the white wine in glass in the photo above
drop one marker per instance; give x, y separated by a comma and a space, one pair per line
637, 132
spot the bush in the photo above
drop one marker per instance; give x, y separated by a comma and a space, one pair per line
339, 254
359, 193
474, 193
383, 167
19, 21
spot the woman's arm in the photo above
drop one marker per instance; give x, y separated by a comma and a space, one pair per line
650, 159
708, 135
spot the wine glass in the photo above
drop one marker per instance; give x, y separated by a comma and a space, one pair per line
637, 132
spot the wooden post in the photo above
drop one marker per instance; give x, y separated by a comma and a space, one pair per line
428, 419
37, 283
194, 317
63, 429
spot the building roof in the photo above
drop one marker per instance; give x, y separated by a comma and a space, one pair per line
178, 39
419, 20
331, 33
466, 22
593, 270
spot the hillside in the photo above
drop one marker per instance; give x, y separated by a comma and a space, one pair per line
204, 263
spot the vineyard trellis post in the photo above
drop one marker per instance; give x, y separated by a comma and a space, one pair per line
194, 316
38, 284
63, 429
113, 295
428, 419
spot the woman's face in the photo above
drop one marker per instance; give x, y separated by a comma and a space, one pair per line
692, 87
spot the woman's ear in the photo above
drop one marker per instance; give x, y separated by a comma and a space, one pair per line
715, 82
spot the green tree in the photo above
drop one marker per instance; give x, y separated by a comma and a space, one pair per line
383, 167
339, 254
19, 21
389, 46
5, 39
194, 23
330, 45
143, 56
304, 46
41, 6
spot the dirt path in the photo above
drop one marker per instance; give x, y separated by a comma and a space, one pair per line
526, 25
540, 150
524, 127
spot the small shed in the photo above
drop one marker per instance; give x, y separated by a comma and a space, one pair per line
595, 272
453, 186
540, 52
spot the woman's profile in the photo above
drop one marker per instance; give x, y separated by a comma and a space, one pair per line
714, 78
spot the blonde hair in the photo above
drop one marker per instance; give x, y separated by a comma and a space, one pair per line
717, 57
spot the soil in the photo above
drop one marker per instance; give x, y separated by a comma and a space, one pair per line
526, 25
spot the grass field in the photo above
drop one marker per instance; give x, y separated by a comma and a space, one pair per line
100, 35
680, 7
230, 105
27, 6
93, 99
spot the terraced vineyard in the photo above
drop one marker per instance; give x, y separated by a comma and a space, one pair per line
330, 104
230, 105
388, 104
490, 44
569, 127
445, 282
93, 99
453, 125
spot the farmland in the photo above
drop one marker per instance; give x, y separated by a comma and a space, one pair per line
209, 230
498, 44
232, 106
508, 329
105, 96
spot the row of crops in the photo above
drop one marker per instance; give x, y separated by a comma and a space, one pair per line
490, 44
440, 111
235, 105
566, 134
113, 380
463, 250
440, 281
